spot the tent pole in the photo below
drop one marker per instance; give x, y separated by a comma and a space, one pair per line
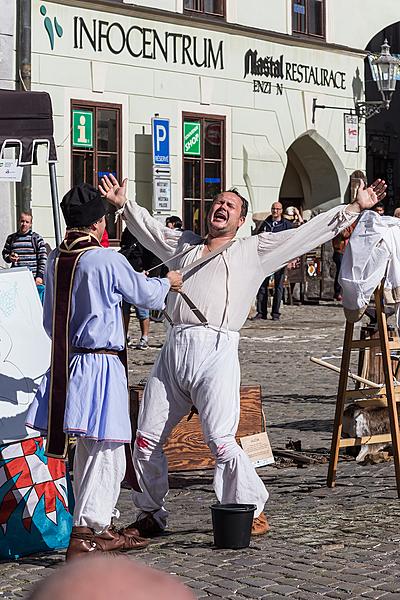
23, 83
55, 204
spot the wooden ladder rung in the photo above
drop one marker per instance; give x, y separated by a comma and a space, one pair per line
371, 439
365, 393
380, 402
369, 394
373, 343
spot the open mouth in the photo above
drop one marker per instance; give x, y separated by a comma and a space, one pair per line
220, 216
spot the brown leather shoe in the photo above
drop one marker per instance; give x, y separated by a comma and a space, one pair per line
146, 526
82, 543
112, 539
260, 525
85, 541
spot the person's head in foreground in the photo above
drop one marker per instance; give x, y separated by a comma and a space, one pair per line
379, 208
397, 213
109, 578
173, 222
227, 213
84, 209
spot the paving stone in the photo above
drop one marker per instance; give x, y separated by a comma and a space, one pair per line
220, 592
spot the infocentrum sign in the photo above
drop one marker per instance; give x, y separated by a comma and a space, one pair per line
191, 138
148, 43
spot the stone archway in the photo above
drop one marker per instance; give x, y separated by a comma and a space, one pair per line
315, 177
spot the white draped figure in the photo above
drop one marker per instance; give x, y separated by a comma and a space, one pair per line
373, 253
199, 362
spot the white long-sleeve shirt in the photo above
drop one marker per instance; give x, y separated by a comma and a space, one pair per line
224, 287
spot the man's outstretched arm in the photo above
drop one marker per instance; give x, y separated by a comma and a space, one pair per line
160, 240
276, 250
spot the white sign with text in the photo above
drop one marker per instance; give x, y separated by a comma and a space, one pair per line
9, 170
351, 133
162, 194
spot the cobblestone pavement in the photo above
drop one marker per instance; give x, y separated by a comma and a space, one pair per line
340, 543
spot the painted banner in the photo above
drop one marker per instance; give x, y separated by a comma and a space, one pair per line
35, 494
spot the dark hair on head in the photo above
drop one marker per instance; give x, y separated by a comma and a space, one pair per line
245, 203
175, 221
379, 205
359, 175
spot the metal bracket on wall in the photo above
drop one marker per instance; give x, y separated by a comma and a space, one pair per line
363, 110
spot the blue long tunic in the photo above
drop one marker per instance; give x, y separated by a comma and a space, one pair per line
97, 396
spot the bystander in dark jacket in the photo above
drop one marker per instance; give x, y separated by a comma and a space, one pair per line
275, 223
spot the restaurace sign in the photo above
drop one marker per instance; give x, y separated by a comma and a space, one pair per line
280, 70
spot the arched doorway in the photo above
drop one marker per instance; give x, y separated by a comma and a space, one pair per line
315, 179
383, 130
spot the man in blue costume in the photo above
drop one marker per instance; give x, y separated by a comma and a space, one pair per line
85, 391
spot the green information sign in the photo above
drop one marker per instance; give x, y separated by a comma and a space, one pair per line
191, 138
82, 129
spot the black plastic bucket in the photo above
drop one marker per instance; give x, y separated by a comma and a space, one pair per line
232, 524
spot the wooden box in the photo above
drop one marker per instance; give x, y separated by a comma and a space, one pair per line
185, 448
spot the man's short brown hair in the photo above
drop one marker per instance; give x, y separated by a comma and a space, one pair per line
245, 203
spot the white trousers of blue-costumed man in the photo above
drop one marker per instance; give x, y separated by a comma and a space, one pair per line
197, 365
99, 468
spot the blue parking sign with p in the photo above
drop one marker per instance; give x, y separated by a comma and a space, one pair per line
160, 132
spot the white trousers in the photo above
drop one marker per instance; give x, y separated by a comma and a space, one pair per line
199, 366
99, 468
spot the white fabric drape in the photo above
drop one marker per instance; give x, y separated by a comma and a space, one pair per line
373, 252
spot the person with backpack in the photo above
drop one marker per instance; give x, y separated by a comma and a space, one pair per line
26, 248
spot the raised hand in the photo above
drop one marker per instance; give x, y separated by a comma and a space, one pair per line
367, 197
379, 186
112, 191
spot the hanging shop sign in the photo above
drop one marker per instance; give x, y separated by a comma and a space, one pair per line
351, 133
82, 129
191, 139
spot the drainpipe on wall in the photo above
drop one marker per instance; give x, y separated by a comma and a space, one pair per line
23, 83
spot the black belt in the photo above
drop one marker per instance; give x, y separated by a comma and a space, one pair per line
75, 350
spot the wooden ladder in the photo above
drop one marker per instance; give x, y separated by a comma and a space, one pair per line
387, 394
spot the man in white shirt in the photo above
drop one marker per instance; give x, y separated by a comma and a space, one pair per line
199, 364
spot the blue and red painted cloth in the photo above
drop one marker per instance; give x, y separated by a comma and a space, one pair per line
35, 494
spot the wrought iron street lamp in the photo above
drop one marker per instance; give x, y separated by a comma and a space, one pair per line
385, 69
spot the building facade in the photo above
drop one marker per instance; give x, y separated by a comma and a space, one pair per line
235, 78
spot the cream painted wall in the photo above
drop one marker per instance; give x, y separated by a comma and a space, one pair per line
349, 23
